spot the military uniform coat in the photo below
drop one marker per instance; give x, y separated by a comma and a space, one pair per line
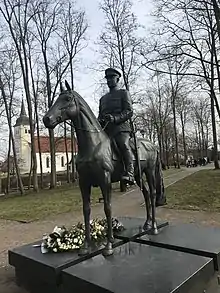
118, 104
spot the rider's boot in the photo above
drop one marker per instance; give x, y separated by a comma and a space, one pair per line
128, 176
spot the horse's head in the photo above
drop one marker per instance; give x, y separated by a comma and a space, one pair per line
66, 107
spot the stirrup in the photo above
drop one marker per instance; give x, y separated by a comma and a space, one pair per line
128, 179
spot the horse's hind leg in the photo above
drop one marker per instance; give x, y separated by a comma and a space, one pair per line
106, 192
86, 194
147, 224
152, 186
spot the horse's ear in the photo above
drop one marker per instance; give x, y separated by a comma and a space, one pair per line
61, 87
67, 86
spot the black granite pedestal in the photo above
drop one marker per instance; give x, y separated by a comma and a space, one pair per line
40, 273
180, 259
139, 268
189, 238
134, 228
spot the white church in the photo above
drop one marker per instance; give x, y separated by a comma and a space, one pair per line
23, 147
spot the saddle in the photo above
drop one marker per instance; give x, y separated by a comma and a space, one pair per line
142, 144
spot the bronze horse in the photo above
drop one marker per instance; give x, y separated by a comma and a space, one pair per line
96, 164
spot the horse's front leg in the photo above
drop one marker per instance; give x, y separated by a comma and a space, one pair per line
106, 193
85, 188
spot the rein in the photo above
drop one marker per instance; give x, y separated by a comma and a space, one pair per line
92, 130
83, 129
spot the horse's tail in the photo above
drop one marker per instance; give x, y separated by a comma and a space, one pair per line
160, 192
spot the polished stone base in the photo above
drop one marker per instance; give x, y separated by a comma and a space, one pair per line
190, 238
40, 273
139, 268
135, 267
134, 228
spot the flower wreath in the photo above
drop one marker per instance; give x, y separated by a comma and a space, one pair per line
63, 239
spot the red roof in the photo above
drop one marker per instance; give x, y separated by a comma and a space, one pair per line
59, 144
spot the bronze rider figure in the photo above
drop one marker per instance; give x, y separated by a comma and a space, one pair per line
115, 108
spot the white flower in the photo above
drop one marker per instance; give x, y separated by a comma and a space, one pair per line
54, 249
75, 240
80, 242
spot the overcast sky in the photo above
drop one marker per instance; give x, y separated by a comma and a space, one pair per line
86, 81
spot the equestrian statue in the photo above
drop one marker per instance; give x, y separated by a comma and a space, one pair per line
108, 152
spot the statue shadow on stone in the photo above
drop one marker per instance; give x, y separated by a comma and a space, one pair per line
97, 163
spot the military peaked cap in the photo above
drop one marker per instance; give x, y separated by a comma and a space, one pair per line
112, 72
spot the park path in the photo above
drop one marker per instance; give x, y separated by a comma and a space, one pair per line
14, 234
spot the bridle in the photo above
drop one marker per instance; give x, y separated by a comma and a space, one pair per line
76, 101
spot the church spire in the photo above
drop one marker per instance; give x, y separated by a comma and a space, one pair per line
23, 111
23, 118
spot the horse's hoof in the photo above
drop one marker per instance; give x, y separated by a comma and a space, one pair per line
107, 252
154, 231
147, 226
83, 251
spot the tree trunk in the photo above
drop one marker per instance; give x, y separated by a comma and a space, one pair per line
67, 155
73, 165
215, 143
73, 155
213, 98
20, 184
175, 132
37, 123
159, 143
8, 165
167, 149
40, 154
184, 137
53, 180
199, 141
163, 147
29, 176
53, 176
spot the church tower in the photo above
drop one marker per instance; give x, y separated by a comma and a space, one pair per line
23, 140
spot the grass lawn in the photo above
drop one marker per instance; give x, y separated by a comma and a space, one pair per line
32, 206
200, 191
171, 171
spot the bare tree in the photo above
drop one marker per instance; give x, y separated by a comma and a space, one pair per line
72, 31
46, 23
157, 103
183, 108
201, 119
194, 33
119, 42
17, 16
7, 104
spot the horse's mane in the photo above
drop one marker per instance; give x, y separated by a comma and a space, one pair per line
86, 110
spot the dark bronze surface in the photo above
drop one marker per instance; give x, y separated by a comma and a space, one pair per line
95, 164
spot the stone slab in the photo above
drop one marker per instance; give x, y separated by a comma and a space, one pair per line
39, 272
139, 268
133, 228
190, 238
